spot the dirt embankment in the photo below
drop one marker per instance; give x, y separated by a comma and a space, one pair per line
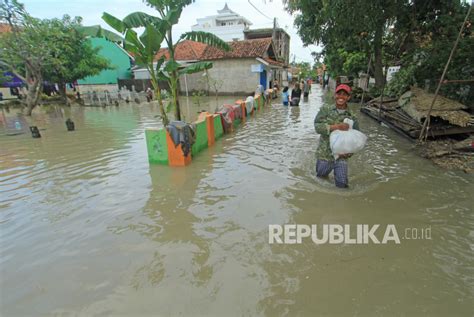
451, 154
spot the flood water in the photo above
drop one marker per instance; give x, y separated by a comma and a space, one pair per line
88, 227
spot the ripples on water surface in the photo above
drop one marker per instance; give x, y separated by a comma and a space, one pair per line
89, 227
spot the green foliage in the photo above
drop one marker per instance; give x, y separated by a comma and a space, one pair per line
98, 31
197, 97
72, 56
417, 35
354, 26
143, 48
26, 50
305, 69
55, 50
206, 38
24, 45
401, 81
196, 68
354, 62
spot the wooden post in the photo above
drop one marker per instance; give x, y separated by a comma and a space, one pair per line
426, 124
211, 138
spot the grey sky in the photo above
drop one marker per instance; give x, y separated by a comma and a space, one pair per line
91, 12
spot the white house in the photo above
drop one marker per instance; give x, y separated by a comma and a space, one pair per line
227, 25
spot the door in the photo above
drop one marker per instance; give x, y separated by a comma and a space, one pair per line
263, 79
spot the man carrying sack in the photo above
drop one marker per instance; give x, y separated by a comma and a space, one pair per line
329, 119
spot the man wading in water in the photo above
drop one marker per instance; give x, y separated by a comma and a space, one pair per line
330, 118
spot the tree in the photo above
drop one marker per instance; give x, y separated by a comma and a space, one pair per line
53, 50
347, 24
23, 51
157, 30
421, 42
73, 57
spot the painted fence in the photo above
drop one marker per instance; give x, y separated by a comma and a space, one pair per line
162, 150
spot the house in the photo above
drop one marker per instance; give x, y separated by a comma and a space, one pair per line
230, 26
248, 64
186, 52
237, 72
227, 25
281, 44
120, 60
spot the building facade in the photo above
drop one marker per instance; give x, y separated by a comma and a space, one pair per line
121, 63
238, 72
281, 44
227, 25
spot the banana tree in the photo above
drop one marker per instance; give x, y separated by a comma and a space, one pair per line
169, 13
143, 48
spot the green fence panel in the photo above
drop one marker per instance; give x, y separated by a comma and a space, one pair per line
218, 130
156, 146
237, 122
201, 138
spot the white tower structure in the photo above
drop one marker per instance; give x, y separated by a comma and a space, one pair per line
227, 25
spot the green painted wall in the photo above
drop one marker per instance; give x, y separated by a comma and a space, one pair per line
218, 129
201, 138
157, 146
237, 122
118, 58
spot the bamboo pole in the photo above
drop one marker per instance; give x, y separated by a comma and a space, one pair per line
424, 129
368, 80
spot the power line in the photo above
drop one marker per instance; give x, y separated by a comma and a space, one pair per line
259, 10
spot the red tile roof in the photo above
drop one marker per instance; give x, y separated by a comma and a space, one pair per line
190, 50
273, 62
240, 49
185, 51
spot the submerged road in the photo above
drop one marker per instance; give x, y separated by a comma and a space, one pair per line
88, 227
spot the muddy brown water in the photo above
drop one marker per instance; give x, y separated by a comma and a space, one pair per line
88, 227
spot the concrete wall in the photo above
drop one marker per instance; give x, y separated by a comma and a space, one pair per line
235, 74
87, 88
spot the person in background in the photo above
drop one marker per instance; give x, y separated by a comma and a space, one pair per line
276, 89
306, 89
259, 90
295, 95
284, 96
331, 118
276, 85
149, 94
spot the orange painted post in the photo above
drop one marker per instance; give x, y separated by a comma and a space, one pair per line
244, 111
175, 153
211, 137
241, 103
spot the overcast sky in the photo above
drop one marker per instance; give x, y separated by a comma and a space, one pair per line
91, 12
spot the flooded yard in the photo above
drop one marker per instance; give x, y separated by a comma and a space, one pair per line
88, 227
